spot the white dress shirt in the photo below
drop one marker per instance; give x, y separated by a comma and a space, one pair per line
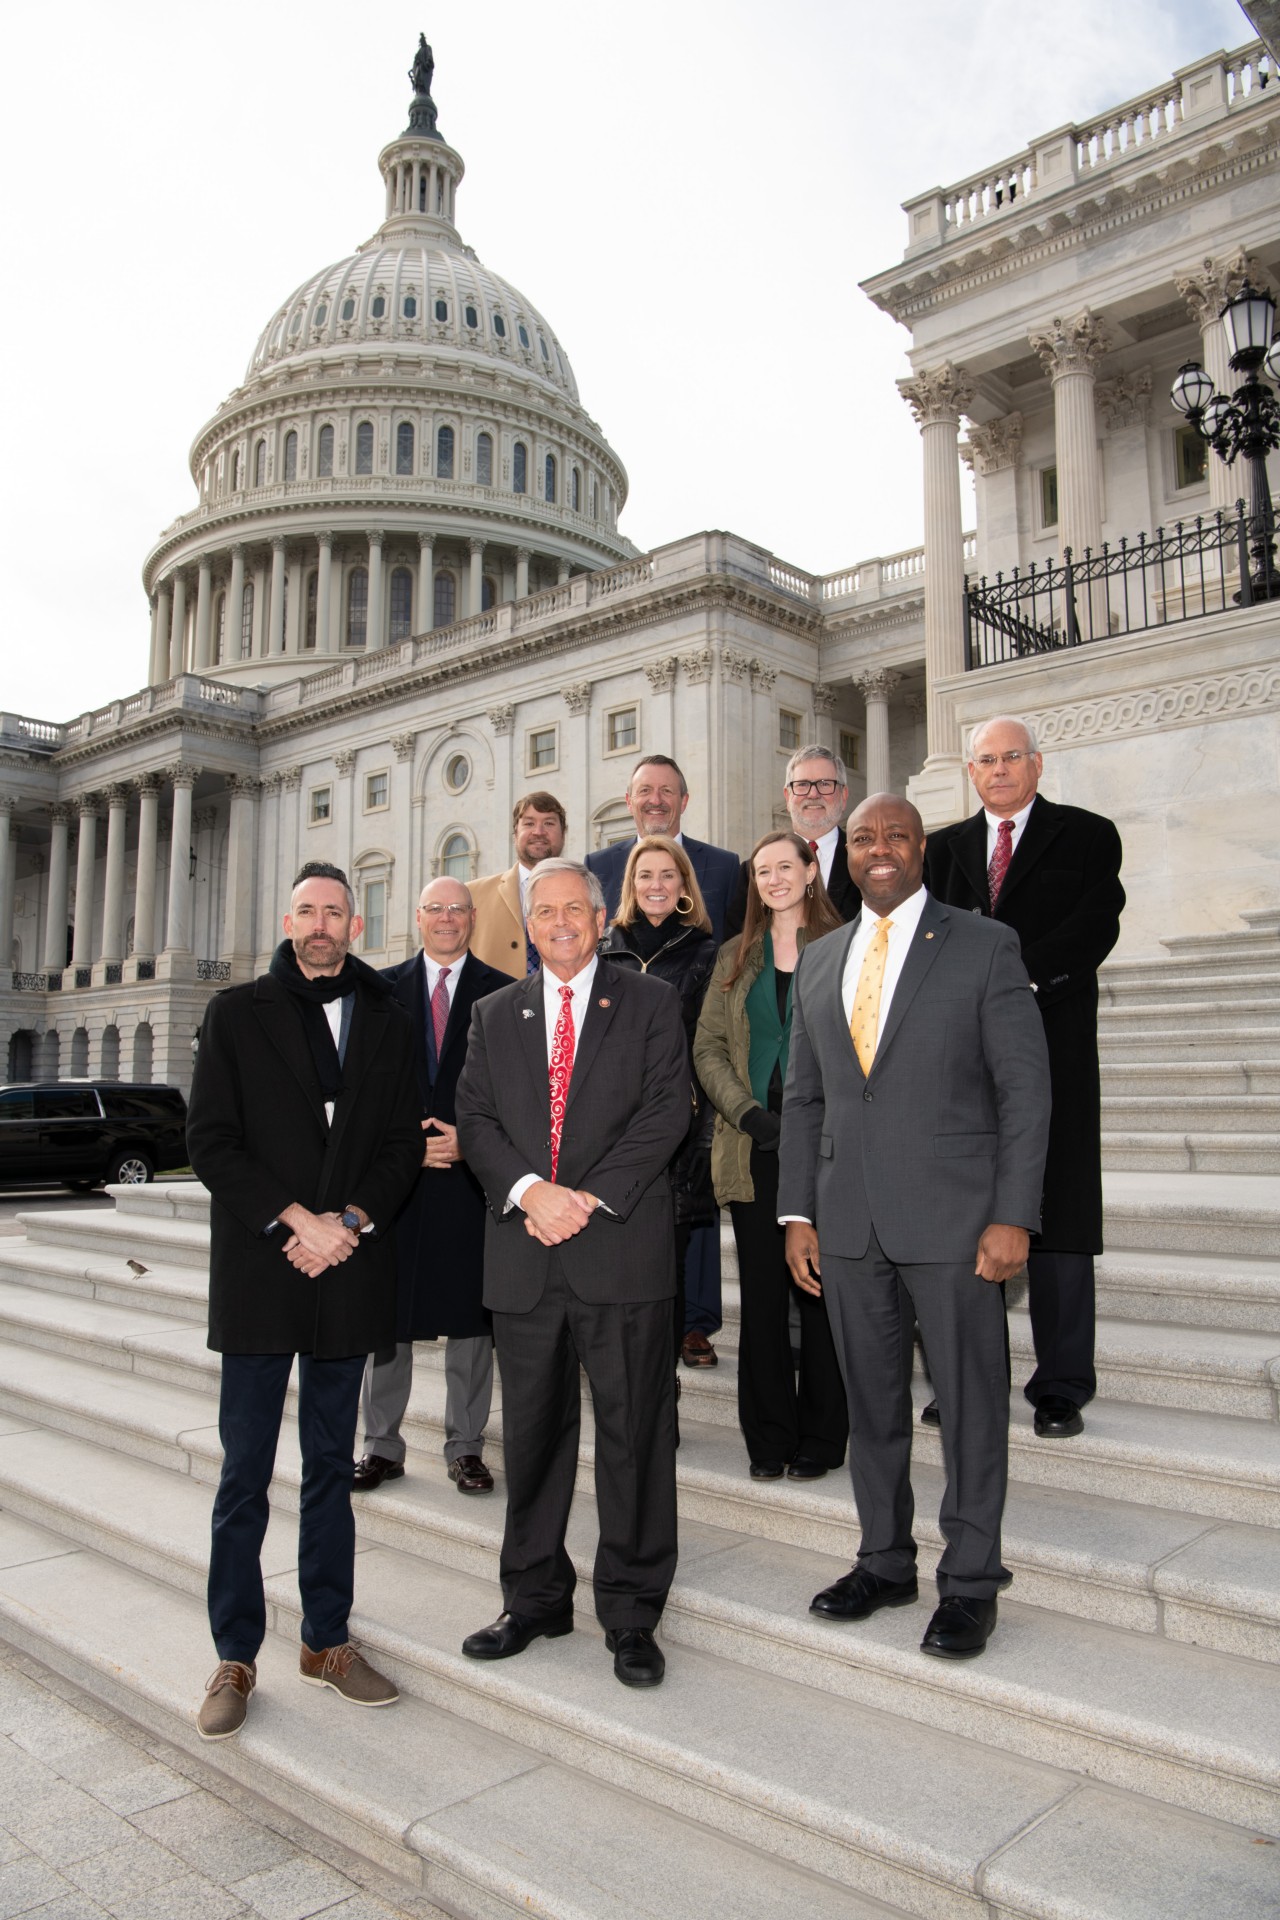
580, 984
1016, 820
333, 1014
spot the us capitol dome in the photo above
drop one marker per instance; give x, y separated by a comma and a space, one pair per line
408, 448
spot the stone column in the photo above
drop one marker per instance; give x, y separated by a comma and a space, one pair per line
144, 899
576, 762
204, 616
86, 857
562, 573
8, 806
522, 573
275, 613
178, 627
374, 635
937, 400
55, 926
1206, 292
160, 643
113, 902
1069, 352
875, 689
424, 604
324, 596
177, 935
824, 700
242, 856
475, 579
235, 602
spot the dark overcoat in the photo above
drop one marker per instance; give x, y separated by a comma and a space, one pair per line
259, 1140
440, 1228
716, 869
1062, 896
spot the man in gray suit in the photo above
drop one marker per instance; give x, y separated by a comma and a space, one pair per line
573, 1099
914, 1128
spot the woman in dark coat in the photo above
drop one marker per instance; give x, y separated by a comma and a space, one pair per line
663, 928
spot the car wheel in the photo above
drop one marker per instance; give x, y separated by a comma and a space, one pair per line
129, 1169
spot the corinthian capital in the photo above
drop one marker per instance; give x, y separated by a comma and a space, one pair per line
578, 696
996, 443
879, 684
1071, 346
1207, 288
942, 394
1122, 402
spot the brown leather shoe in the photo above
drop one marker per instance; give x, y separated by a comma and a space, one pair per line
373, 1470
697, 1351
346, 1670
470, 1474
226, 1699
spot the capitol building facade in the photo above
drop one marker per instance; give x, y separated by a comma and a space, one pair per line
402, 598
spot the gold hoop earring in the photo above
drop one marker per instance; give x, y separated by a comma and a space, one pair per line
684, 903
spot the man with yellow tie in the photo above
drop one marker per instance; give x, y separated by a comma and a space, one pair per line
914, 1130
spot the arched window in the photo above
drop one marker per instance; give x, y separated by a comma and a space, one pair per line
549, 478
442, 311
246, 621
80, 1053
455, 857
220, 629
260, 464
595, 500
484, 459
324, 454
111, 1053
409, 307
401, 604
379, 307
422, 193
235, 471
488, 594
444, 453
519, 468
357, 607
291, 456
143, 1052
471, 316
364, 447
445, 599
575, 491
313, 588
404, 448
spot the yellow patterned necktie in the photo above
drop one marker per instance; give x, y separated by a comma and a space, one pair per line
864, 1021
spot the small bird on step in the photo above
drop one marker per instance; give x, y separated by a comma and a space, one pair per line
136, 1266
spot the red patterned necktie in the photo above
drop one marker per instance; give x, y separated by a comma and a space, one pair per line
813, 848
1000, 861
440, 1009
561, 1072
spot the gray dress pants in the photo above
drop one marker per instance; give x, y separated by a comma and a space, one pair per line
468, 1372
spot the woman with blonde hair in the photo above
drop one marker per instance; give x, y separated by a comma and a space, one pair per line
740, 1055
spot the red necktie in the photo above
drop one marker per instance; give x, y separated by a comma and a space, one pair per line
813, 848
1000, 861
440, 1010
561, 1072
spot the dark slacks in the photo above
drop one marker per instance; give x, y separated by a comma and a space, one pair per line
873, 1305
702, 1310
779, 1418
253, 1393
626, 1351
1060, 1301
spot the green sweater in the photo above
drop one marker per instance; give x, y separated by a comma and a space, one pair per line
770, 1037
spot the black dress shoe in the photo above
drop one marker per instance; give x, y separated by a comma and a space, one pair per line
960, 1627
768, 1469
469, 1474
929, 1416
1057, 1418
862, 1592
637, 1658
373, 1470
510, 1633
802, 1469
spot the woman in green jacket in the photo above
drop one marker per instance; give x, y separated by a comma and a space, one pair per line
740, 1056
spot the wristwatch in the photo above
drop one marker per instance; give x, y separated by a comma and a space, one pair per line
350, 1220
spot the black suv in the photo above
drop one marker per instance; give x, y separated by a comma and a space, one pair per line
85, 1132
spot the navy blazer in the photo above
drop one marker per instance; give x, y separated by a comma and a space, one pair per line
716, 868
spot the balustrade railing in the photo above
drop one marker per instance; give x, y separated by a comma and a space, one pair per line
211, 970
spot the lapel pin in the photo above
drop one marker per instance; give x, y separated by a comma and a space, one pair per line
604, 1003
526, 1013
928, 936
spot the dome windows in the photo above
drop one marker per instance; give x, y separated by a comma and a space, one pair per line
542, 343
499, 326
313, 596
235, 471
484, 459
409, 307
260, 464
522, 334
358, 607
442, 311
401, 604
322, 314
364, 447
349, 308
378, 307
324, 454
444, 599
246, 621
295, 325
519, 468
549, 478
444, 453
291, 455
575, 490
404, 447
471, 317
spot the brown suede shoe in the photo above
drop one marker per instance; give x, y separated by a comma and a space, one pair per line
469, 1474
697, 1351
226, 1699
346, 1670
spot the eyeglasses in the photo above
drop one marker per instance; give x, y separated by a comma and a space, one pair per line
446, 913
803, 788
1003, 759
570, 910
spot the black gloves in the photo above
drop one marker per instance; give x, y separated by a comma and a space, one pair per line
763, 1127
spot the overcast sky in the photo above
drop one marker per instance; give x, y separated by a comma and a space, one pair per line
690, 191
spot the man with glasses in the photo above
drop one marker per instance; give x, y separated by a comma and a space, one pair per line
815, 792
1052, 873
440, 1231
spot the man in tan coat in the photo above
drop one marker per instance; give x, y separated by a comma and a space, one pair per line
539, 823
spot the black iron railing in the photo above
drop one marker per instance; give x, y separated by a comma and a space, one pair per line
1174, 574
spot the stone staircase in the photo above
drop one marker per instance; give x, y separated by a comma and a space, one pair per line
1115, 1752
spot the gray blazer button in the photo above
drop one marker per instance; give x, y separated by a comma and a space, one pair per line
866, 1096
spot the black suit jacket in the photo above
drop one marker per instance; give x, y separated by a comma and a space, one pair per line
627, 1112
715, 867
845, 897
1063, 898
259, 1140
440, 1229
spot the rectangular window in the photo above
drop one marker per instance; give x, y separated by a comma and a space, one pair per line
1190, 457
621, 730
1048, 496
377, 791
849, 746
375, 916
321, 808
543, 750
788, 730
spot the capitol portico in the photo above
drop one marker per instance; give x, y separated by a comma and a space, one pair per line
402, 597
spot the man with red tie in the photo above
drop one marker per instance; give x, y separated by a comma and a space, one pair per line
1052, 873
574, 1096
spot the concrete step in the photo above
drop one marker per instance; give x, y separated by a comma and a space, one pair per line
1190, 1289
811, 1718
181, 1291
1254, 1013
1173, 1081
1128, 984
1257, 1153
492, 1828
121, 1235
1236, 1114
1216, 1213
1170, 1044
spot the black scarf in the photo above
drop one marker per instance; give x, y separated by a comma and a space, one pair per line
647, 941
311, 997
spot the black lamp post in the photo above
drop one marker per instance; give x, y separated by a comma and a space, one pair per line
1248, 423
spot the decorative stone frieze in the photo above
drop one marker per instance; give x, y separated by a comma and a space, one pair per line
941, 394
1181, 703
1122, 402
1073, 345
993, 445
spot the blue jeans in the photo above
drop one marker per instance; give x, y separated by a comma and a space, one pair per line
253, 1393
